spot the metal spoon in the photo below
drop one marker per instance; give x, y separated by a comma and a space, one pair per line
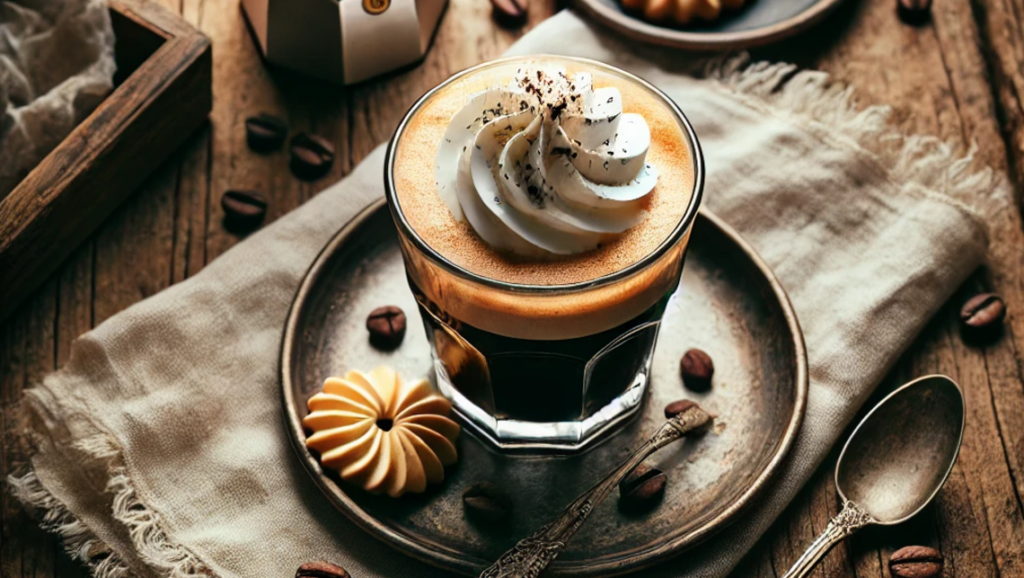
531, 555
894, 463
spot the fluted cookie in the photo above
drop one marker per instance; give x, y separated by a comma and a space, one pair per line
380, 433
680, 12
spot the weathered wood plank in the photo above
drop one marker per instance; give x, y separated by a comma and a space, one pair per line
134, 250
27, 352
1003, 43
991, 375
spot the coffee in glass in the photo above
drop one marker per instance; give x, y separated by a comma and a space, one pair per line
544, 205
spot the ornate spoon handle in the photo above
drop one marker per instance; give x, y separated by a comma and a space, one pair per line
531, 555
850, 519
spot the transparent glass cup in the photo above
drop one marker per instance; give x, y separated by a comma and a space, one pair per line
544, 366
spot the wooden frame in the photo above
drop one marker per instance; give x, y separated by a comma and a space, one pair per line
163, 93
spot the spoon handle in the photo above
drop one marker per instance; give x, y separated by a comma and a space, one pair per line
531, 555
850, 519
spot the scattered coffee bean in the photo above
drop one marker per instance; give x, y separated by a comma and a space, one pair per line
982, 316
642, 489
386, 326
914, 11
511, 13
677, 407
320, 570
312, 156
696, 368
915, 562
487, 503
243, 210
265, 132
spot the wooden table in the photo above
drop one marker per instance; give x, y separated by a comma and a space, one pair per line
960, 77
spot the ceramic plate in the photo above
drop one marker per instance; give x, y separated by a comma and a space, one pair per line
729, 305
759, 22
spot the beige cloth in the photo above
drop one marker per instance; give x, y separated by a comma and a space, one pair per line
162, 444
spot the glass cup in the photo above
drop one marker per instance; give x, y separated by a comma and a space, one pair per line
544, 366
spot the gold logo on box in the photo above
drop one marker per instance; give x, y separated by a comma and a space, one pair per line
376, 6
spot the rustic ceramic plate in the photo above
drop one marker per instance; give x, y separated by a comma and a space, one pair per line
759, 22
730, 305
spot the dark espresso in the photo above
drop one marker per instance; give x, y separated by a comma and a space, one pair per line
540, 380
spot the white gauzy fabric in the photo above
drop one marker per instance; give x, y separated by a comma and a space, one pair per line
56, 66
161, 445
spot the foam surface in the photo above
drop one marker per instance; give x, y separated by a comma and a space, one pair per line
456, 241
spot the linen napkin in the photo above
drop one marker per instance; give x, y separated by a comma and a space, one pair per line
161, 445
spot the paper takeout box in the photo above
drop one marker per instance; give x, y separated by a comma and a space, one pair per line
344, 41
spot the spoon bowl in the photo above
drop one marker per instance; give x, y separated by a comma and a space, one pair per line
902, 452
894, 463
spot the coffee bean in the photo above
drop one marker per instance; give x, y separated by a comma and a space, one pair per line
243, 210
386, 326
312, 156
642, 489
265, 132
914, 11
320, 570
915, 562
696, 368
982, 316
487, 503
510, 13
677, 407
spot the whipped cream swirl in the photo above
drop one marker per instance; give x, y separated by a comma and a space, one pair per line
546, 165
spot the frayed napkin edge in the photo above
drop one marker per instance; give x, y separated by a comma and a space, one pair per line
149, 537
918, 164
80, 543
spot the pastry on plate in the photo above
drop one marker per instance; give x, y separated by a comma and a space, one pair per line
680, 12
381, 433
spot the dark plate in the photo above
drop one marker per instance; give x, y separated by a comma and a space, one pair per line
730, 305
759, 22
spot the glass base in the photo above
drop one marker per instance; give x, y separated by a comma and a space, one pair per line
563, 436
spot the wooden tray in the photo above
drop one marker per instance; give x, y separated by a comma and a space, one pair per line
163, 92
730, 305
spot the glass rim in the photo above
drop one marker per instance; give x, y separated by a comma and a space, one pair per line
684, 224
